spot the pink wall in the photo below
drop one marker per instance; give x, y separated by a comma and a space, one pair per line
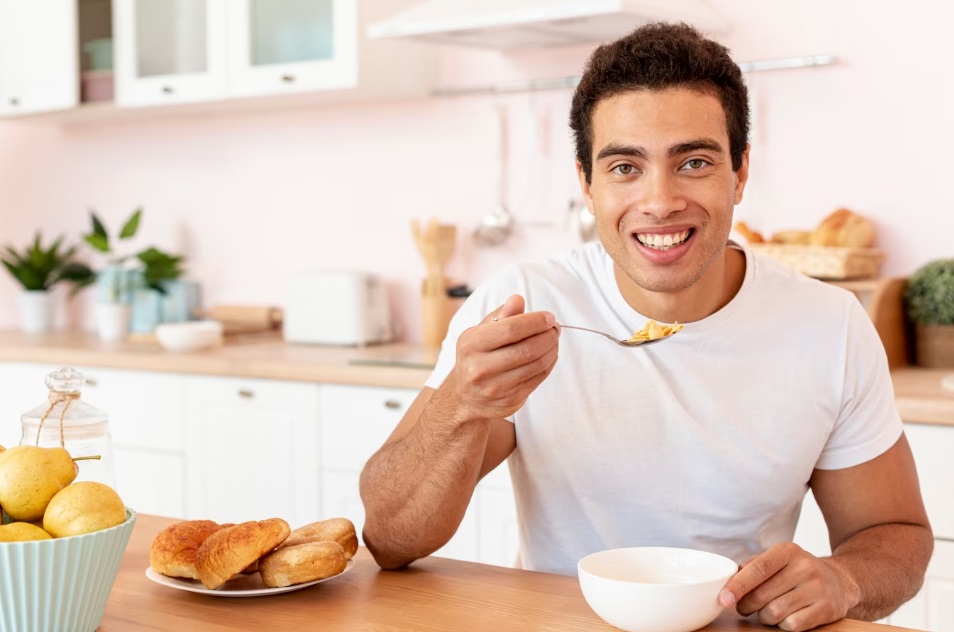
252, 197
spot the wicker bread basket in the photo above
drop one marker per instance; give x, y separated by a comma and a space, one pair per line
826, 262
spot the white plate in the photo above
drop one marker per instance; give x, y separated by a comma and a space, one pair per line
241, 586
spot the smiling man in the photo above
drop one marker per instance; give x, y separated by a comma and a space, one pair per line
710, 439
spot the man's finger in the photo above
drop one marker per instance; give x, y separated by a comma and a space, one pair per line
755, 572
511, 307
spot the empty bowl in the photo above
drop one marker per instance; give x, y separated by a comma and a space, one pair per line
190, 336
655, 589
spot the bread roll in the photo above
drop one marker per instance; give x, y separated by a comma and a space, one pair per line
225, 553
751, 236
173, 549
302, 563
340, 530
845, 229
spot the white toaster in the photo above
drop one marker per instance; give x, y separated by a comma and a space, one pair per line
337, 307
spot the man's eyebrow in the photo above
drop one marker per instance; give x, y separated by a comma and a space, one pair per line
701, 144
621, 150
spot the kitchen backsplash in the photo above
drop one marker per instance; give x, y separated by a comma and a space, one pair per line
251, 198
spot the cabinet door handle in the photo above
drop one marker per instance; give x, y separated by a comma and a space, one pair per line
246, 393
288, 78
167, 90
91, 381
14, 101
392, 404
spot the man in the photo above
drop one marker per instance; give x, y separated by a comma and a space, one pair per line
708, 439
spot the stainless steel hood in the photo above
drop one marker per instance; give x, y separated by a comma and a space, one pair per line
529, 23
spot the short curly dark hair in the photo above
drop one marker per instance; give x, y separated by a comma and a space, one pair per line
657, 56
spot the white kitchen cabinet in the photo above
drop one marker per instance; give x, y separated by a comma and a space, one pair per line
175, 51
355, 422
284, 46
252, 450
22, 388
169, 51
933, 607
38, 56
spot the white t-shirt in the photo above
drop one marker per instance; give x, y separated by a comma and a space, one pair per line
706, 440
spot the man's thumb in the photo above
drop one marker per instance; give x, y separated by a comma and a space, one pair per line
512, 306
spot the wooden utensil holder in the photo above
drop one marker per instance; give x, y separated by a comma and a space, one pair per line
435, 313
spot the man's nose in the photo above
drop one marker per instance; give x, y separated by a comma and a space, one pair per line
660, 194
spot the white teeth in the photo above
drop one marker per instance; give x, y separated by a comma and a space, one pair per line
662, 242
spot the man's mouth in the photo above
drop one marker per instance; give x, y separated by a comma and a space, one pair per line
663, 241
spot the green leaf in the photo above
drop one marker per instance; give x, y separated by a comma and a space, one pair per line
98, 228
76, 272
131, 226
99, 242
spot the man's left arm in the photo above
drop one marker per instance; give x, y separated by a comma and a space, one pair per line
881, 543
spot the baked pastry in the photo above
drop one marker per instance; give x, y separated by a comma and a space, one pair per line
751, 236
844, 228
799, 237
302, 563
173, 549
340, 530
227, 552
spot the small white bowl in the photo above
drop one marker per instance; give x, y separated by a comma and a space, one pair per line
189, 336
655, 589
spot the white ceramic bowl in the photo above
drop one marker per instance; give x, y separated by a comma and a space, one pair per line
655, 589
60, 584
193, 335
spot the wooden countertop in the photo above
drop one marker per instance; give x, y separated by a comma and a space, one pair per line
918, 392
267, 357
433, 594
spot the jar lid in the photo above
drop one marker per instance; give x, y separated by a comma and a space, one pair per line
64, 403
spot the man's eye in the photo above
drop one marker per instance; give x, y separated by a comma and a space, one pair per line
695, 164
624, 169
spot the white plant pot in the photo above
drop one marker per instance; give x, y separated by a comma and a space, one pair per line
112, 321
37, 311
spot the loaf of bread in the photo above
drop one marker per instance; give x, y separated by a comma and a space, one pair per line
844, 228
302, 563
340, 530
173, 549
229, 551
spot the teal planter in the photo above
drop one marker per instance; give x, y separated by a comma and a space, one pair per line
150, 308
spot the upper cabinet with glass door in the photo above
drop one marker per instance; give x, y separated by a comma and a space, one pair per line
281, 46
169, 51
38, 56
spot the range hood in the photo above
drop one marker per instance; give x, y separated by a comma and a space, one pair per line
529, 23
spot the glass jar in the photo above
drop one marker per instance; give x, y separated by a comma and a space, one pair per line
66, 421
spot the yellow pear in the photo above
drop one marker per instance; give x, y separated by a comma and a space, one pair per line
21, 532
30, 477
83, 507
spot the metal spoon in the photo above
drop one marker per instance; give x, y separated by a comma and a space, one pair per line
622, 343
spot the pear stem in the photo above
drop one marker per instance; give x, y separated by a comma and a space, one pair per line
94, 457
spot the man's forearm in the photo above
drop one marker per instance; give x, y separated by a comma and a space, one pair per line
887, 564
416, 490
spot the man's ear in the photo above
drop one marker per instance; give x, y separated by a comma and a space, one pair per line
584, 185
742, 175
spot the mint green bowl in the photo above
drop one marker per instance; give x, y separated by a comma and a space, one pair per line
60, 584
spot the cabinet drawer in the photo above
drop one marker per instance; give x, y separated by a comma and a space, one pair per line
932, 447
356, 420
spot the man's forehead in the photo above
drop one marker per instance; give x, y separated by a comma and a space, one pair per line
670, 116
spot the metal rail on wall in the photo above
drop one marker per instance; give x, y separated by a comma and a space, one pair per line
568, 83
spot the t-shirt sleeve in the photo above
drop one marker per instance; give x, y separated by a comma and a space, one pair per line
868, 423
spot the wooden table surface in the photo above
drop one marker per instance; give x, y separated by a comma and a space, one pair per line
433, 594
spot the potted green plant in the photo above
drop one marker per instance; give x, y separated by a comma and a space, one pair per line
125, 273
38, 269
929, 303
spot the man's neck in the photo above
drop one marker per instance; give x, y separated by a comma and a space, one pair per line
720, 283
